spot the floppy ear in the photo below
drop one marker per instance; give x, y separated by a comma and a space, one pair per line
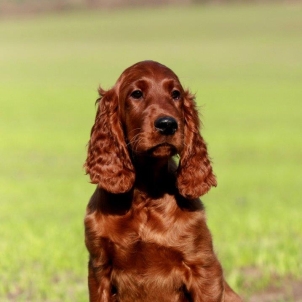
194, 175
108, 162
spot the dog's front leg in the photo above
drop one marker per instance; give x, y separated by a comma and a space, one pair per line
99, 284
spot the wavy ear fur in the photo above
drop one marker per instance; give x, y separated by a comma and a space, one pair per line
108, 162
194, 176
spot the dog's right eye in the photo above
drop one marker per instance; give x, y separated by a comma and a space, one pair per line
176, 95
136, 94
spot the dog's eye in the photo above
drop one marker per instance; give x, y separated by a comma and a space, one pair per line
175, 95
136, 94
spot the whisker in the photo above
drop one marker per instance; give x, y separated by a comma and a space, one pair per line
136, 143
133, 139
139, 129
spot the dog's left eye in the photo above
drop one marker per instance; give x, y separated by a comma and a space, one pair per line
175, 95
136, 94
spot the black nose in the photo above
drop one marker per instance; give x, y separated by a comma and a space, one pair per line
166, 125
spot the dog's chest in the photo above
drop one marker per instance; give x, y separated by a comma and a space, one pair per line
149, 259
150, 236
147, 248
153, 221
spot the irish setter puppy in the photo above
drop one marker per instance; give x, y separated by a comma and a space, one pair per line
145, 226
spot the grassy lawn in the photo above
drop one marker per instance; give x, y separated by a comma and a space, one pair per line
245, 65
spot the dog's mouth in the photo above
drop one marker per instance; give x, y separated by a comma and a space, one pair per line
162, 150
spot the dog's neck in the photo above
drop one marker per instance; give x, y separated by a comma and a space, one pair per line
154, 174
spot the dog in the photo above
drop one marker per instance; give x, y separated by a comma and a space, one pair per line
145, 227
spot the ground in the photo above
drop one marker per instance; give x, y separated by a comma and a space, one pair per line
288, 291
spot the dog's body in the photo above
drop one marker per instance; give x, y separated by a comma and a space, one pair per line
145, 227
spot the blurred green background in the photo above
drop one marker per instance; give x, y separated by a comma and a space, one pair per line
243, 61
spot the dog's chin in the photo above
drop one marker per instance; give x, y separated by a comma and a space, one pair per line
162, 151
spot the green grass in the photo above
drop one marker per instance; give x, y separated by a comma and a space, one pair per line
244, 63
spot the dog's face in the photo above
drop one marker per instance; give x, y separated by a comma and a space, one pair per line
151, 107
147, 114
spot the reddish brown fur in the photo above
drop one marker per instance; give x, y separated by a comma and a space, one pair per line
145, 227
